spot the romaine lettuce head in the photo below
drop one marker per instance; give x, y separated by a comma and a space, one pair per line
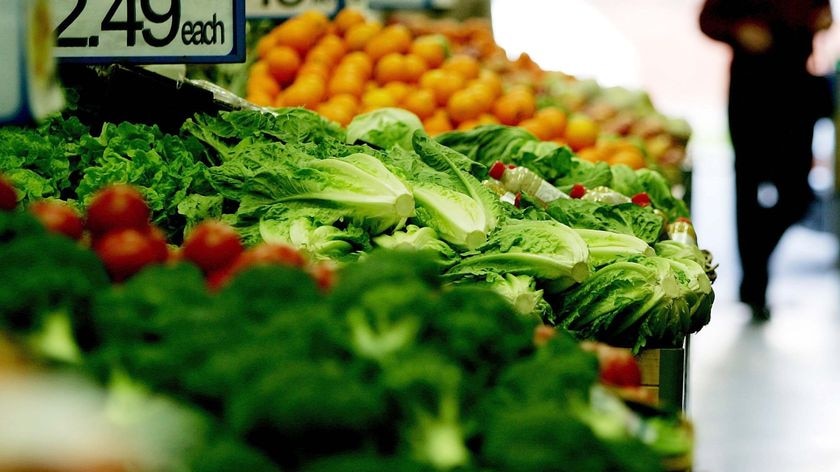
546, 250
624, 218
606, 247
511, 145
416, 238
588, 174
384, 128
317, 233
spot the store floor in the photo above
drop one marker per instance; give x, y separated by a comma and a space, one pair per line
764, 397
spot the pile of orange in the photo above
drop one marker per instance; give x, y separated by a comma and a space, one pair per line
352, 65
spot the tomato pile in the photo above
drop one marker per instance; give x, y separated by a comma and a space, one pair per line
116, 226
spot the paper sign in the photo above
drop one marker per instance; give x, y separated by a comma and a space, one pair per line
149, 31
290, 8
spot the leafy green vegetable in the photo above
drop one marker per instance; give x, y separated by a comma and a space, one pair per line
511, 145
623, 218
630, 182
546, 250
638, 302
440, 206
606, 247
384, 128
521, 292
588, 174
315, 232
416, 238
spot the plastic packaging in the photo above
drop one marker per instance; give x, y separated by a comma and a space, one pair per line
682, 231
520, 179
604, 194
504, 194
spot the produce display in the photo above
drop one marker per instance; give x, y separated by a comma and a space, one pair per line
592, 264
617, 111
412, 254
352, 65
387, 367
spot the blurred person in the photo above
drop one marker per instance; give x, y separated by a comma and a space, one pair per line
774, 103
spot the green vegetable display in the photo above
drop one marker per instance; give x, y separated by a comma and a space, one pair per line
294, 177
392, 368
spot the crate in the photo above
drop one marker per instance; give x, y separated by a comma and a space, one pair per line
665, 374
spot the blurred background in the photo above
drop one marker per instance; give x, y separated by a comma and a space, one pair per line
761, 396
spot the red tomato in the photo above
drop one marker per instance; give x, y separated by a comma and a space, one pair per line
212, 245
324, 274
117, 206
127, 250
158, 239
8, 195
58, 217
216, 279
269, 253
619, 368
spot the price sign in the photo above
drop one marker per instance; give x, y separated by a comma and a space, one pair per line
149, 31
411, 4
290, 8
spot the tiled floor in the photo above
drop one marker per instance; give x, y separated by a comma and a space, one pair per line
764, 397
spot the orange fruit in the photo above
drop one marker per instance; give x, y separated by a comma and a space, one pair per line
392, 38
421, 102
463, 106
358, 62
304, 92
488, 119
398, 90
555, 118
333, 45
357, 37
581, 132
514, 107
389, 68
539, 128
314, 19
299, 35
335, 112
265, 44
377, 98
437, 123
316, 69
262, 84
431, 48
442, 84
414, 67
346, 83
260, 98
283, 63
259, 67
591, 154
491, 86
347, 18
630, 157
467, 125
463, 64
346, 101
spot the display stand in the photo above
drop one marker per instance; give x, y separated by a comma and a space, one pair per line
665, 374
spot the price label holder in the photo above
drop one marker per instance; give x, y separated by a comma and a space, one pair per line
149, 31
28, 74
278, 9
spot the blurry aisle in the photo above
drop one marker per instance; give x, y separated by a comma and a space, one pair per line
763, 397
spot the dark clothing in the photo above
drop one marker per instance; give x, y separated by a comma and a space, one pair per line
771, 113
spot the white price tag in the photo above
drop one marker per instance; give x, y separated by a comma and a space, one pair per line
149, 31
290, 8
